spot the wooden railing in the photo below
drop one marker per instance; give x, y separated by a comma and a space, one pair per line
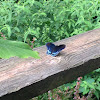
22, 79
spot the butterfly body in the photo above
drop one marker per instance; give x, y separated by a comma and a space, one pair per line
54, 50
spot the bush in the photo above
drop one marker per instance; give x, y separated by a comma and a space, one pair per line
47, 20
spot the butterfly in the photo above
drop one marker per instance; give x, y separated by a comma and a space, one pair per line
54, 50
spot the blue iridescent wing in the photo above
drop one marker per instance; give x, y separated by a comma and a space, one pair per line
54, 50
57, 49
50, 47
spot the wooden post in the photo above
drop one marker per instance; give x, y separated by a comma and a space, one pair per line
22, 79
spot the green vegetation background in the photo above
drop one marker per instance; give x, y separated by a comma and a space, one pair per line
49, 21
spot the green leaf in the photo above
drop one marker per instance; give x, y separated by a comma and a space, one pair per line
14, 48
97, 94
99, 79
90, 80
9, 30
98, 87
68, 85
82, 89
17, 29
90, 83
86, 91
97, 70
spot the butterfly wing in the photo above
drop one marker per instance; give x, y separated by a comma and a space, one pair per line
57, 49
54, 50
50, 47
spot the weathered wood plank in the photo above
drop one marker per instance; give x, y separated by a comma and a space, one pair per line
21, 79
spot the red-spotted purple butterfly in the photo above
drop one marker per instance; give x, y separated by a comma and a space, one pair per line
54, 50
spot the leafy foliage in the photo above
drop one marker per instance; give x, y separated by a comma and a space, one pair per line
91, 81
14, 48
47, 20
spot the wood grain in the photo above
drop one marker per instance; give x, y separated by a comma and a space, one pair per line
22, 79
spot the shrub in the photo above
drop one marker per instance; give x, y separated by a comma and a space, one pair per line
47, 20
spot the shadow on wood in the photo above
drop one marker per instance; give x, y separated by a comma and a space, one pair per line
22, 79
